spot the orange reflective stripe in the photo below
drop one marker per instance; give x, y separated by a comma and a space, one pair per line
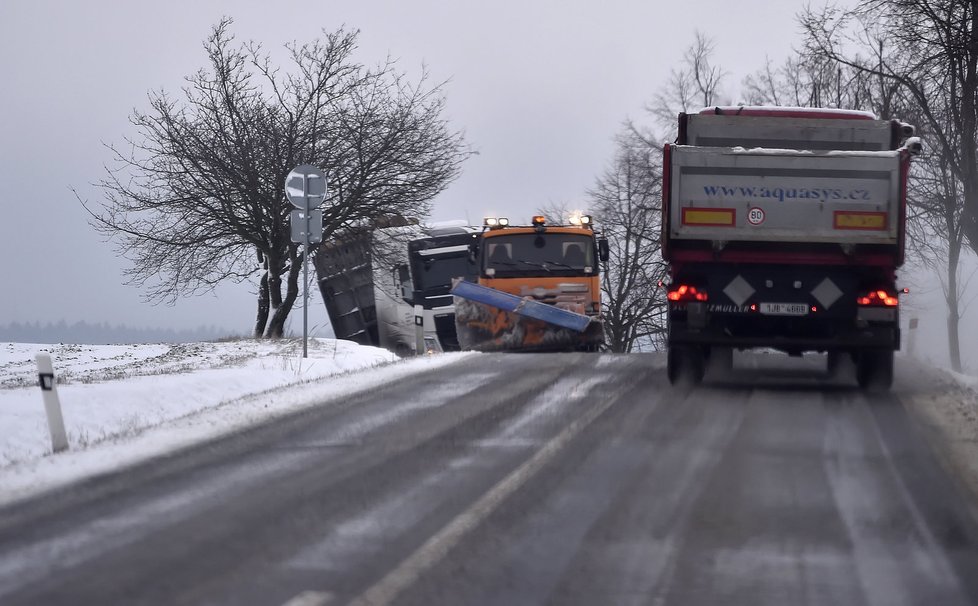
850, 219
710, 217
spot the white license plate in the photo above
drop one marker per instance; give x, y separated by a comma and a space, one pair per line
784, 309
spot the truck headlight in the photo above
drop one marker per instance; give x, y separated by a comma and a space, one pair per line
431, 346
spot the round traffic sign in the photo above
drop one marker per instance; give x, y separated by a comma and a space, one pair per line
755, 216
305, 187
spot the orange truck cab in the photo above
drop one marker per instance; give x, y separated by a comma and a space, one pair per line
557, 265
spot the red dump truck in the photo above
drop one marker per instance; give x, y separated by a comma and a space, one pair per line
783, 228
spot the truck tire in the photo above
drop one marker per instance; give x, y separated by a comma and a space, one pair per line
874, 370
685, 365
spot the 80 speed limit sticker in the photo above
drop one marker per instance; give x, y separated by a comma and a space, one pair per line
755, 216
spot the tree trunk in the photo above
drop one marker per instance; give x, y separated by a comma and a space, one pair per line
263, 307
274, 274
276, 328
953, 315
617, 344
953, 345
969, 131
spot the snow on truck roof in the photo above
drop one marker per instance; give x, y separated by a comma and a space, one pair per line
847, 153
788, 112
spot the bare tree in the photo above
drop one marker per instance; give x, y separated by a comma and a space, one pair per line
770, 85
693, 85
921, 55
937, 238
812, 80
195, 198
929, 49
626, 200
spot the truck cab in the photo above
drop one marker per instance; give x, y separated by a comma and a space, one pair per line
436, 259
557, 265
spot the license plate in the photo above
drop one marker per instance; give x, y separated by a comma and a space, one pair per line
784, 309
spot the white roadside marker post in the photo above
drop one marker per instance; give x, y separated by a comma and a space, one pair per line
52, 406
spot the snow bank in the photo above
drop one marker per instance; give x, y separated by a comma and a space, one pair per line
947, 403
966, 381
125, 403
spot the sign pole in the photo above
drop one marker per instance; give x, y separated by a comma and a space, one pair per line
305, 272
304, 185
305, 291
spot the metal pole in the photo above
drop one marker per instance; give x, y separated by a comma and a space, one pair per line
305, 271
305, 291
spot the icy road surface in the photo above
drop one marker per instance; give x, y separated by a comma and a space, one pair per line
527, 479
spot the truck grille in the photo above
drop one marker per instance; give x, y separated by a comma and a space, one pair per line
572, 297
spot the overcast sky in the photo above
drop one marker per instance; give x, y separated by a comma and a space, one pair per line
540, 88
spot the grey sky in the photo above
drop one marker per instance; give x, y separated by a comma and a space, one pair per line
539, 87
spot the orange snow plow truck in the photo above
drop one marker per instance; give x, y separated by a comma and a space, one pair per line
538, 288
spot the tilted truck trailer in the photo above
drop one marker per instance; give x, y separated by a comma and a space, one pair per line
538, 288
361, 273
783, 228
388, 285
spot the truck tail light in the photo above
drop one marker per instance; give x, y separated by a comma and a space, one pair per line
684, 292
878, 298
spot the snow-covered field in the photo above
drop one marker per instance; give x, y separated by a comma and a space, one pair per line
126, 403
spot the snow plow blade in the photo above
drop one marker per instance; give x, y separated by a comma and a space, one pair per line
487, 319
522, 306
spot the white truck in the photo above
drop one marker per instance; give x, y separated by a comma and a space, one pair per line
442, 254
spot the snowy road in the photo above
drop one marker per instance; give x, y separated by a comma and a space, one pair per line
526, 479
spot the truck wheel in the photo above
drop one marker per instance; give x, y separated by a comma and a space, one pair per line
685, 365
874, 370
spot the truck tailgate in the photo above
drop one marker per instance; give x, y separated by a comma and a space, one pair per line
735, 194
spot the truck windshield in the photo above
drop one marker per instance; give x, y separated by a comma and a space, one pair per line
544, 253
437, 271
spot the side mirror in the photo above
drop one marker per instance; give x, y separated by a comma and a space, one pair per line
473, 253
604, 251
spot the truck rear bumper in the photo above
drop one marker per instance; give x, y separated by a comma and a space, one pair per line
885, 337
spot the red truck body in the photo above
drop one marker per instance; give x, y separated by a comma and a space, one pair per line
783, 228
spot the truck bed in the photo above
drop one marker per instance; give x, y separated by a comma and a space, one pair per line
733, 194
